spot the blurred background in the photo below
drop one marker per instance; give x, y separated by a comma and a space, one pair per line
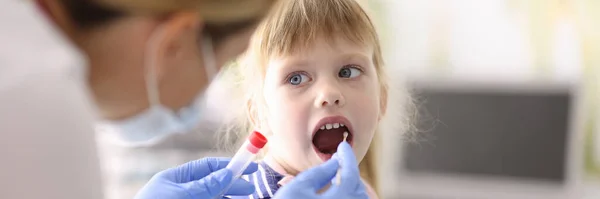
508, 93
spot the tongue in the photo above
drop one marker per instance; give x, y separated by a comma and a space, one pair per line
327, 141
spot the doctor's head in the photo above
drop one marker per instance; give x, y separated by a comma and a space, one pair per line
144, 52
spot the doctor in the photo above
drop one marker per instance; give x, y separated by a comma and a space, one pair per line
147, 60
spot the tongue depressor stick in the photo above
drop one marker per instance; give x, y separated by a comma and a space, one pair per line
338, 175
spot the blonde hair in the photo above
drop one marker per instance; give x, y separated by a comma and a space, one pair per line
293, 25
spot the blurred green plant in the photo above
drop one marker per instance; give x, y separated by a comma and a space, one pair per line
587, 14
592, 130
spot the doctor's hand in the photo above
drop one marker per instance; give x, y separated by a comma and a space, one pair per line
199, 179
307, 183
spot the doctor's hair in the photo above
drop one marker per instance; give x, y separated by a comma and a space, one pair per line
292, 26
221, 18
87, 14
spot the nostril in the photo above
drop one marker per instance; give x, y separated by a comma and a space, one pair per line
337, 102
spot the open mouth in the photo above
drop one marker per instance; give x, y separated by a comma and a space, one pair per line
329, 134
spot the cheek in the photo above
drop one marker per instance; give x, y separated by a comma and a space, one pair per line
365, 111
366, 114
365, 103
291, 141
287, 118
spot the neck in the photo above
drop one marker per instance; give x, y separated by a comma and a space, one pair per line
275, 165
279, 168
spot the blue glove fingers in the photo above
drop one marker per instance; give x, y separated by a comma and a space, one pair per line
315, 178
209, 186
241, 187
198, 169
252, 167
350, 172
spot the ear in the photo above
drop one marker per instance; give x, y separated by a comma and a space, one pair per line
383, 100
172, 37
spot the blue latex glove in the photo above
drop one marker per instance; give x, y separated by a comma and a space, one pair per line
307, 183
200, 179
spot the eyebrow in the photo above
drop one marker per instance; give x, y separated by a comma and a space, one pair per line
355, 57
297, 63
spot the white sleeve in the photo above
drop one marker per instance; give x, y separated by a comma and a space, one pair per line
47, 145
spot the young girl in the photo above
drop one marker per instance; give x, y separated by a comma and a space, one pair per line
313, 71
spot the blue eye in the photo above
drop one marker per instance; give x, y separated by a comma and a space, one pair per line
349, 72
297, 79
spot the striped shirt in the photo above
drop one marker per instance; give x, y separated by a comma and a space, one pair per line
265, 181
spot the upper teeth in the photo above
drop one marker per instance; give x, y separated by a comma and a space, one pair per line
331, 126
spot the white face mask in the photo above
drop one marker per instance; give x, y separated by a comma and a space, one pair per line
158, 121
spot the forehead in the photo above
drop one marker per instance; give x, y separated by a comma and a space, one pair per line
325, 49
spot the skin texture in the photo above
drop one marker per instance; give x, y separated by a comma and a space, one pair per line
318, 90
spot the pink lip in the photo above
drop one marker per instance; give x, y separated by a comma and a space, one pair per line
333, 119
330, 120
322, 156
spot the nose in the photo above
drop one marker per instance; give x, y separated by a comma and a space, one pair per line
330, 96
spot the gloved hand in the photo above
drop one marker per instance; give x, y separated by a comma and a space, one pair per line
199, 179
307, 183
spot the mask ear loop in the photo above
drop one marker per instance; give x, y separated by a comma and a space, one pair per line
208, 52
150, 67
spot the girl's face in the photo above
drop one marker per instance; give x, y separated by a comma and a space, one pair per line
314, 96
